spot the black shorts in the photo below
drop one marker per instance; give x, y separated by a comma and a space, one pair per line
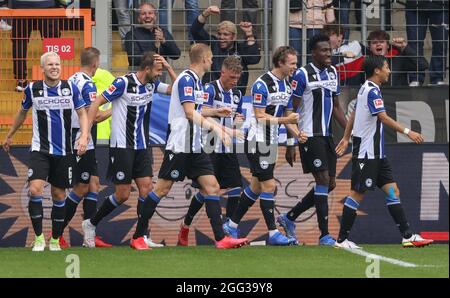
55, 169
262, 165
127, 164
226, 169
366, 173
177, 166
318, 154
84, 167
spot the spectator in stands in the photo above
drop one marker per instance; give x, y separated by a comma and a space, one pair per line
401, 56
147, 36
249, 7
21, 30
3, 23
192, 11
225, 44
346, 55
319, 13
341, 49
122, 9
421, 15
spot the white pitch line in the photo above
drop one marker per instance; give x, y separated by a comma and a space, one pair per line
374, 256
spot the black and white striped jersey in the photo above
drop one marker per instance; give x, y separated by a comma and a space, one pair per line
52, 115
274, 95
130, 99
316, 87
368, 131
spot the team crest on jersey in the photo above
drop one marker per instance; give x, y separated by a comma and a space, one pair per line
317, 163
65, 91
174, 174
111, 89
236, 99
378, 103
369, 182
149, 87
30, 172
332, 76
41, 92
258, 98
188, 91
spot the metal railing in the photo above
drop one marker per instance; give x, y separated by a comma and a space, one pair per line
181, 35
30, 33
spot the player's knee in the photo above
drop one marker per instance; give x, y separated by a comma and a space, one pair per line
212, 189
81, 189
122, 194
145, 189
94, 186
161, 191
268, 186
35, 190
322, 179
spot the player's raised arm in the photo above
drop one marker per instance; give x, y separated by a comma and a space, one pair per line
170, 71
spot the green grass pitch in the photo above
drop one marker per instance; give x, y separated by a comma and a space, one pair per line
208, 262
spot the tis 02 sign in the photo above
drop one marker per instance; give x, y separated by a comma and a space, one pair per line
64, 47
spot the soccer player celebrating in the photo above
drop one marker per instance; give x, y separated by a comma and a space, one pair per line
129, 157
222, 98
272, 106
183, 156
85, 175
53, 101
370, 167
316, 86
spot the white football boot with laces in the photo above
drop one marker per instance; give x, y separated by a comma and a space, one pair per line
347, 244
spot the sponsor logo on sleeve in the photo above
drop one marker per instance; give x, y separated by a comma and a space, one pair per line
258, 98
294, 84
188, 91
92, 96
378, 103
111, 89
